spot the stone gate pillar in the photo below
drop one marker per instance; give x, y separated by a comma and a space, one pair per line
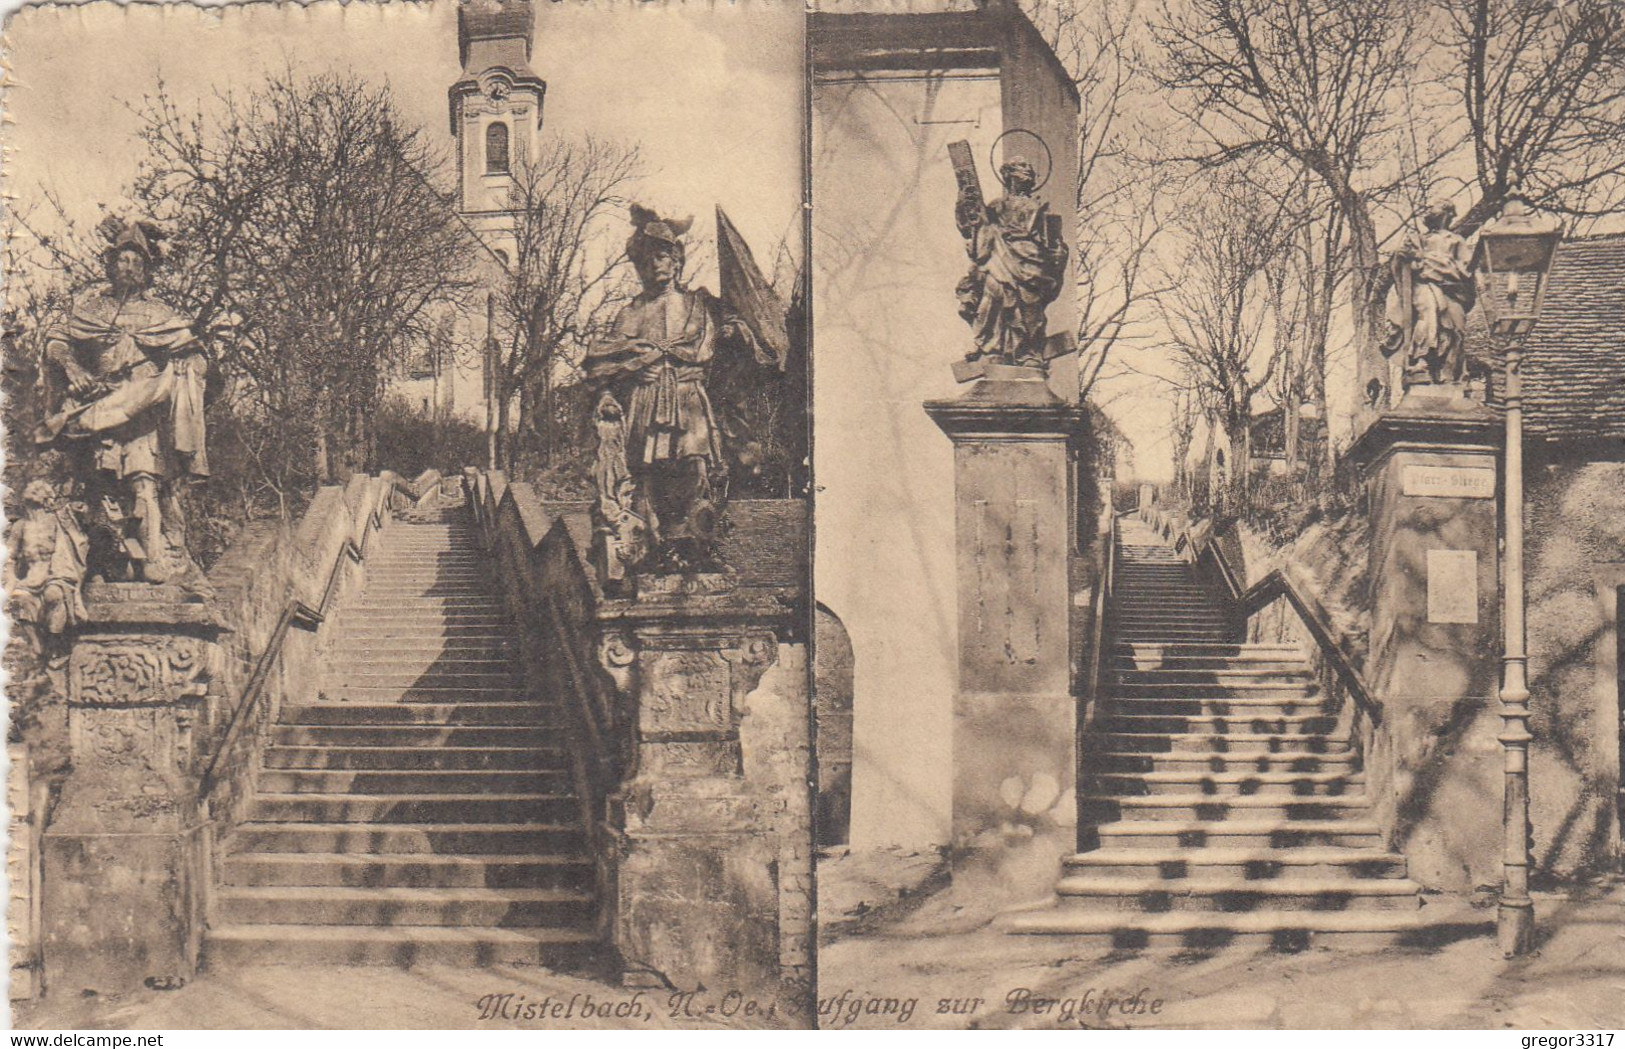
1431, 478
712, 873
1015, 719
123, 855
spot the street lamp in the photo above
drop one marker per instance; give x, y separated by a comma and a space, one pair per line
1515, 257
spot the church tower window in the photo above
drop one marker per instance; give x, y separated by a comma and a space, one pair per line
496, 149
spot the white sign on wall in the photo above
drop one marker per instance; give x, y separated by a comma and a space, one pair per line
1452, 586
1448, 482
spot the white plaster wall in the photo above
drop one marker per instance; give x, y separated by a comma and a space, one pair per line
886, 257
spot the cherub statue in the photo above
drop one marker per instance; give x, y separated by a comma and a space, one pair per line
45, 571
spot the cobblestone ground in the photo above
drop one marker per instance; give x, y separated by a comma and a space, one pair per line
910, 953
375, 998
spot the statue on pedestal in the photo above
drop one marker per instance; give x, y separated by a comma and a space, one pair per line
1018, 263
132, 410
1427, 308
660, 472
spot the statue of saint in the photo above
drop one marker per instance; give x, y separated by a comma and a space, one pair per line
46, 569
660, 472
1018, 266
134, 373
1427, 306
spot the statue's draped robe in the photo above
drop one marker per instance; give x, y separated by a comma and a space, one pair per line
1442, 293
153, 372
1016, 276
662, 345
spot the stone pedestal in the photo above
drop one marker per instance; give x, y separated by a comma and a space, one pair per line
1430, 470
1015, 720
123, 856
698, 879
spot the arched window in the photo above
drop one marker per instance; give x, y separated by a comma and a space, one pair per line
496, 149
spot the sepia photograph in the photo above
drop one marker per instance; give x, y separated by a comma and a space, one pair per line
406, 476
791, 515
1228, 395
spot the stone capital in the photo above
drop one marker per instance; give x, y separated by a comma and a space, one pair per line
1432, 424
1008, 409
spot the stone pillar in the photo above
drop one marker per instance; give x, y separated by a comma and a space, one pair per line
1015, 717
700, 822
124, 859
1430, 476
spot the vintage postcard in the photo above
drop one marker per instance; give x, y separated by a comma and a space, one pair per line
874, 514
406, 461
1219, 540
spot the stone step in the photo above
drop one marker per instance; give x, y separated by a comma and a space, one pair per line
341, 677
1218, 724
1205, 808
415, 659
1247, 674
414, 781
1229, 651
416, 735
412, 808
402, 946
1277, 833
1247, 707
465, 604
1192, 762
422, 714
1231, 687
422, 633
1247, 864
403, 758
1265, 784
1281, 930
490, 871
1153, 895
428, 615
417, 694
408, 838
1243, 744
397, 906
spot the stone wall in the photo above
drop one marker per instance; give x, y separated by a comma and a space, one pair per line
270, 565
702, 831
1575, 558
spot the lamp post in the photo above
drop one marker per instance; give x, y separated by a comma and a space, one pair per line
1512, 251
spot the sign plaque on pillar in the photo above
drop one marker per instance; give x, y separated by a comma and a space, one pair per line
1452, 586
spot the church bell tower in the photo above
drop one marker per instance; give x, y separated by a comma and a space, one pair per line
496, 112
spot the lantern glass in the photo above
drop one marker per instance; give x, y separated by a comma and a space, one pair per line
1514, 256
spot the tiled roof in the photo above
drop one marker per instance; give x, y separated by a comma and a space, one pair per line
1574, 360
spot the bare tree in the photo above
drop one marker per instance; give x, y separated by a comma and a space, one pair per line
1542, 85
1216, 312
1118, 193
563, 282
312, 247
1312, 81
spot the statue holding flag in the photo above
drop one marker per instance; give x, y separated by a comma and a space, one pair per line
661, 474
134, 374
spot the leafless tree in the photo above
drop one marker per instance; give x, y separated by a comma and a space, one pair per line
565, 279
1315, 82
1119, 191
1542, 86
310, 243
1216, 311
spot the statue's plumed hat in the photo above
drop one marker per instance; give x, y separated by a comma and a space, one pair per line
648, 229
141, 235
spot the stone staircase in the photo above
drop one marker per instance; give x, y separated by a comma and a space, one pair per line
419, 807
1218, 804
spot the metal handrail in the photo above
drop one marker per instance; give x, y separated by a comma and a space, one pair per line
295, 613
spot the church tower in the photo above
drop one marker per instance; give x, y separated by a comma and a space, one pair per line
496, 112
